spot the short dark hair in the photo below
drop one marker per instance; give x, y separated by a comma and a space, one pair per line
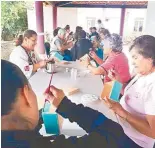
81, 34
99, 21
27, 33
105, 32
78, 28
67, 27
145, 45
12, 79
55, 32
94, 28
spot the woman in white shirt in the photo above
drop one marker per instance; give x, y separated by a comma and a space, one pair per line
137, 106
24, 55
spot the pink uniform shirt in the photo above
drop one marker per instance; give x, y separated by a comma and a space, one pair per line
118, 62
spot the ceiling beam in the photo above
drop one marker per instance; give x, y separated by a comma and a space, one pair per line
62, 3
104, 6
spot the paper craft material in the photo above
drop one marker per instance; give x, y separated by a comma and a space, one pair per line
51, 123
71, 90
93, 63
112, 90
58, 56
84, 57
87, 98
50, 120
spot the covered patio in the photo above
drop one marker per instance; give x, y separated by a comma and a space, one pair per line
123, 5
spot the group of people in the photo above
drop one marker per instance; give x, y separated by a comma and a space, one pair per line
135, 112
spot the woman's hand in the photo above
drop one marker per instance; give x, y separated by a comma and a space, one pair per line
85, 62
42, 63
93, 55
54, 95
116, 107
112, 74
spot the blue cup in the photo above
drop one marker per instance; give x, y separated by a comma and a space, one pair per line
50, 120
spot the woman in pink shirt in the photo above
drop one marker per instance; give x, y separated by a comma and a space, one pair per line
116, 60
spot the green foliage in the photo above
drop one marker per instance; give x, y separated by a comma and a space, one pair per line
13, 18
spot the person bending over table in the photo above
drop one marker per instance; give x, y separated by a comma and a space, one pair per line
60, 45
136, 111
24, 55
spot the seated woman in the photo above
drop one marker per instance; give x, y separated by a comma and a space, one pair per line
97, 52
24, 55
94, 33
81, 46
116, 60
104, 33
77, 30
135, 112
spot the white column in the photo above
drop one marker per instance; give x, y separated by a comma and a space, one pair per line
150, 18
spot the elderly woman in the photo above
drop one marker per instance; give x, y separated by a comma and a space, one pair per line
136, 111
116, 62
60, 45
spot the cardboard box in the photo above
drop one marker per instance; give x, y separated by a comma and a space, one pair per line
112, 90
50, 120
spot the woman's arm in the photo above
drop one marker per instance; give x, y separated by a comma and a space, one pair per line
144, 126
85, 117
96, 71
96, 58
99, 61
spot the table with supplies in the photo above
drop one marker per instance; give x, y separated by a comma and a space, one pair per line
83, 87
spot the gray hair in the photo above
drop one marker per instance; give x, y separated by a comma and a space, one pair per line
61, 31
115, 42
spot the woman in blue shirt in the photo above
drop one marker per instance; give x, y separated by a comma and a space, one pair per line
97, 51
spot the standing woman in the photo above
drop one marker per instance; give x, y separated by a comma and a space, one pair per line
24, 55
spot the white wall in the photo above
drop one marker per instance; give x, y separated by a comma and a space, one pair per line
67, 16
79, 16
99, 13
88, 13
131, 15
113, 16
150, 19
